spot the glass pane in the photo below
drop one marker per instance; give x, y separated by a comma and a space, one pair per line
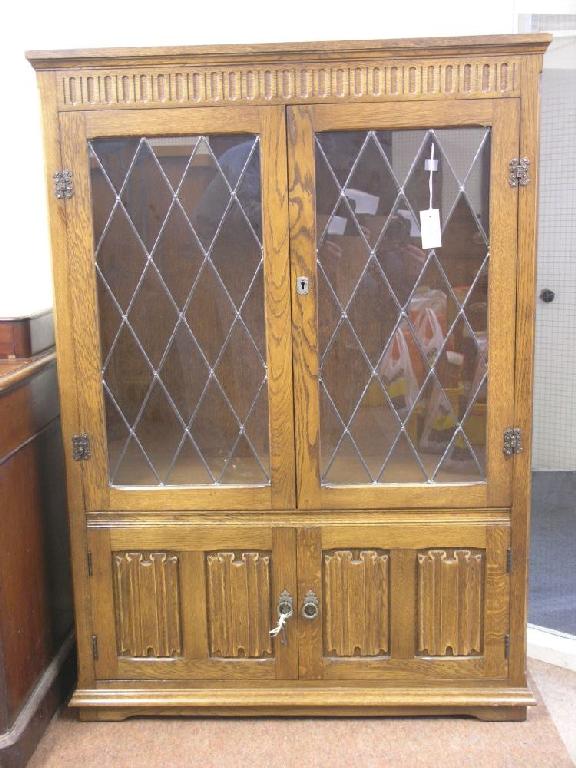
178, 254
403, 331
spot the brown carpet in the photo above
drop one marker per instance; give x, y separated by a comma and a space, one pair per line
303, 743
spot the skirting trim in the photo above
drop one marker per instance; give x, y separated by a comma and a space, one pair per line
11, 736
553, 647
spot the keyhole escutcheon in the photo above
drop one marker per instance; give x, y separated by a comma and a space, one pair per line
302, 285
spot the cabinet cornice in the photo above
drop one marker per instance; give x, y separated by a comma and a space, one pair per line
342, 51
288, 83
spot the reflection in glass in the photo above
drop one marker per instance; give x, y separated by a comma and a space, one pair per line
402, 332
178, 253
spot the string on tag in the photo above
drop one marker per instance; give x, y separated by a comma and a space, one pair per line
431, 165
282, 619
430, 228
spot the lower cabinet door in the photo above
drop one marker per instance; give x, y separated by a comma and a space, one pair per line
403, 602
181, 601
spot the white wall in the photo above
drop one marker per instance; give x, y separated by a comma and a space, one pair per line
555, 362
24, 251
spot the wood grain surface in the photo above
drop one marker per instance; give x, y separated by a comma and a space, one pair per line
199, 570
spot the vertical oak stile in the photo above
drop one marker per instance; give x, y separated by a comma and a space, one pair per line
502, 297
524, 359
277, 301
194, 615
67, 375
103, 611
496, 600
310, 640
284, 577
304, 311
84, 309
403, 608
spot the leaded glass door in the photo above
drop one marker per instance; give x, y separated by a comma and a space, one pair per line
181, 307
403, 352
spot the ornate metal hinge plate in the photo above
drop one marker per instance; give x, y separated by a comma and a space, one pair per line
518, 172
512, 441
80, 447
63, 185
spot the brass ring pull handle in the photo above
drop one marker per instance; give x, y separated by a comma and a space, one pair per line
310, 606
285, 604
285, 611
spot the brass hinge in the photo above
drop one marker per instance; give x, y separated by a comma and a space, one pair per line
95, 647
506, 646
512, 441
89, 561
80, 447
63, 184
518, 172
508, 561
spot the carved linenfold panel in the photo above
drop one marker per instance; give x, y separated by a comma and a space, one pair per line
281, 83
356, 603
450, 602
239, 604
147, 604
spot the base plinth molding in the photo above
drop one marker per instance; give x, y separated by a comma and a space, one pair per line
486, 704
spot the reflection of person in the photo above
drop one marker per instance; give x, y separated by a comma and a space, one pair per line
400, 258
397, 252
341, 150
210, 207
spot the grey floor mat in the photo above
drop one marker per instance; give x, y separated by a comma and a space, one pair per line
552, 594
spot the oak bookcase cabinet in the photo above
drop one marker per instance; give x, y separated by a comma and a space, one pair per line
280, 409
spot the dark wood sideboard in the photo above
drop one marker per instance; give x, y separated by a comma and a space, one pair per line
36, 648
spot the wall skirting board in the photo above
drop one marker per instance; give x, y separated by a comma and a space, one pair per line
42, 687
553, 647
18, 742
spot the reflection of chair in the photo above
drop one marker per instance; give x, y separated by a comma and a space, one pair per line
398, 374
480, 364
476, 422
429, 314
403, 367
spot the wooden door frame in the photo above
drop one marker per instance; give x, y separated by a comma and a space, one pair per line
303, 121
269, 122
190, 544
403, 542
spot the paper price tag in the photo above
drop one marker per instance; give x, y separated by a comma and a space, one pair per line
430, 229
